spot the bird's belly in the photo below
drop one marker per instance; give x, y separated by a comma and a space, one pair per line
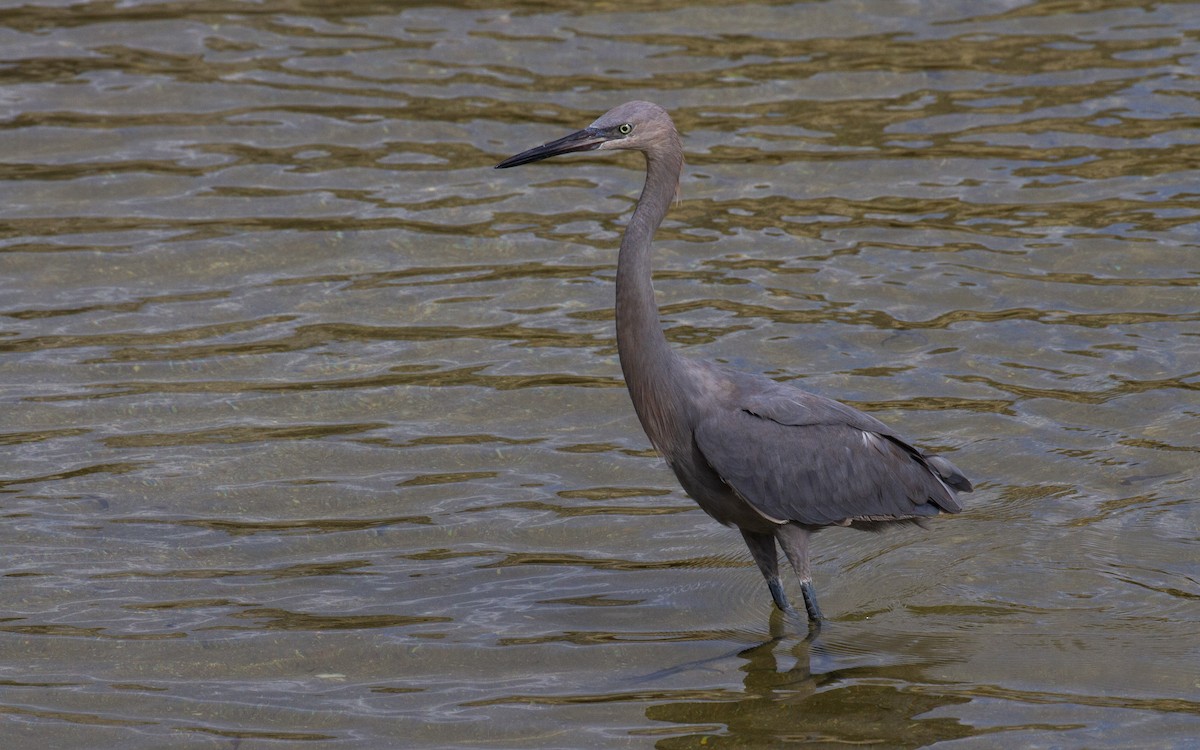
718, 500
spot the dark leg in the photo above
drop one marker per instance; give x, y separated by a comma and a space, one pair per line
762, 547
794, 540
810, 601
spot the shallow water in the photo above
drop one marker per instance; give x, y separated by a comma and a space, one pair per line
314, 433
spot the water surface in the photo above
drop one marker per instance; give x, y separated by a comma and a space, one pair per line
313, 428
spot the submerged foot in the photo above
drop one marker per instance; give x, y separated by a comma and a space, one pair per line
812, 613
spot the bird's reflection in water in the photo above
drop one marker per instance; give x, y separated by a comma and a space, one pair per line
783, 702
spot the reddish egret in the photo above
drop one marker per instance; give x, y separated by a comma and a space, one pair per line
777, 462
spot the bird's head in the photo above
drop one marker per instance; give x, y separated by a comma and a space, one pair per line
642, 126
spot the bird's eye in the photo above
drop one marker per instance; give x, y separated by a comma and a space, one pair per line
625, 129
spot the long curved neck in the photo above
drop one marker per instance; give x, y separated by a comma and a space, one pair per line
646, 359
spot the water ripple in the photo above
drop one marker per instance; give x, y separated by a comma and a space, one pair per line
315, 430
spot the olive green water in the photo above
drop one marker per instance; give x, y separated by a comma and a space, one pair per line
312, 432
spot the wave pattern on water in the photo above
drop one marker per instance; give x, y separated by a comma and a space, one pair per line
314, 431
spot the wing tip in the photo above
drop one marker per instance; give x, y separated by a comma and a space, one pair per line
949, 473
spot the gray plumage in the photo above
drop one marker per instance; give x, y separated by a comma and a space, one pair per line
775, 461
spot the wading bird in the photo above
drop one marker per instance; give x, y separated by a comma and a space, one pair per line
775, 461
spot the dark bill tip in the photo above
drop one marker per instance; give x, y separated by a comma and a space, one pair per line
583, 140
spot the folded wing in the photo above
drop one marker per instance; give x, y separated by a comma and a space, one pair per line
799, 457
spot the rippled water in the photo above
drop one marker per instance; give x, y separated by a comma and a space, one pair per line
313, 430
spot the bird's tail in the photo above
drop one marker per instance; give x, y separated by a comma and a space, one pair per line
949, 473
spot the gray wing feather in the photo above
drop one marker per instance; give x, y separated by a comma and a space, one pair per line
799, 457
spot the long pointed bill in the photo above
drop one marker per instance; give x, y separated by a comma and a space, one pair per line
583, 140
